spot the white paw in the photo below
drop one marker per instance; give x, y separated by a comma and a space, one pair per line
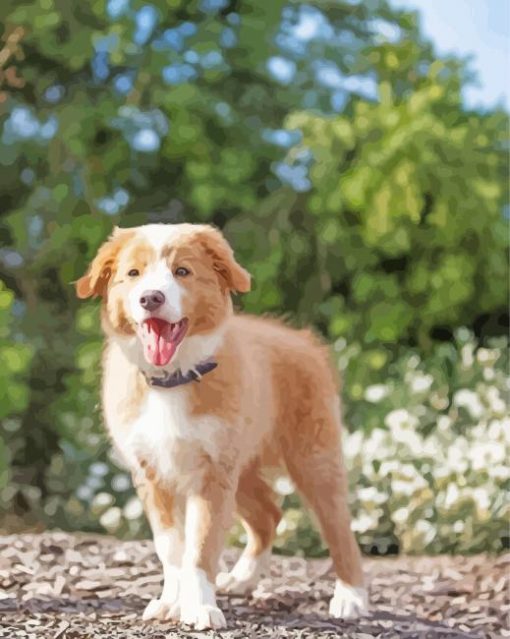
245, 574
348, 602
233, 584
228, 583
203, 617
198, 601
161, 610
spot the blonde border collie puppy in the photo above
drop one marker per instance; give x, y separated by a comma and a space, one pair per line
200, 401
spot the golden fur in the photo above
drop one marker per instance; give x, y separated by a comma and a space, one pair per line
271, 402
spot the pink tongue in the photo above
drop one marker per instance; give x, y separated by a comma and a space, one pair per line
158, 345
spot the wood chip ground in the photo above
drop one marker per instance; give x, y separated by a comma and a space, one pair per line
61, 586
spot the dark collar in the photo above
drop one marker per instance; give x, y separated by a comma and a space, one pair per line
177, 378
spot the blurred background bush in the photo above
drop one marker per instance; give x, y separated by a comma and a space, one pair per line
332, 144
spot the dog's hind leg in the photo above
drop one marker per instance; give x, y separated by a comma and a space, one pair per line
260, 516
314, 461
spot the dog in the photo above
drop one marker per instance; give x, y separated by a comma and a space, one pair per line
201, 401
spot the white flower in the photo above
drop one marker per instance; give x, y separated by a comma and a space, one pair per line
400, 418
441, 472
402, 424
421, 383
121, 482
409, 471
486, 453
282, 526
133, 508
458, 526
499, 472
102, 500
411, 439
111, 518
469, 399
466, 355
494, 400
406, 487
450, 480
371, 495
478, 432
489, 374
364, 522
368, 470
353, 443
413, 362
400, 516
431, 448
426, 531
452, 495
444, 422
292, 518
457, 456
92, 439
284, 486
499, 430
100, 469
94, 482
482, 500
376, 392
484, 355
84, 492
375, 445
388, 467
340, 344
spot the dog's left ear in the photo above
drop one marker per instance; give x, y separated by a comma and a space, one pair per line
232, 274
95, 281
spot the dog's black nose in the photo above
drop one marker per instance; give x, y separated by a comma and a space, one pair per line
151, 300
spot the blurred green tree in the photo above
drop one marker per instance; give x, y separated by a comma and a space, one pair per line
326, 138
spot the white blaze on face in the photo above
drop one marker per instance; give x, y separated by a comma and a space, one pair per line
162, 333
161, 329
157, 278
160, 236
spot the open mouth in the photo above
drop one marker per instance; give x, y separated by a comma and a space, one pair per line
160, 339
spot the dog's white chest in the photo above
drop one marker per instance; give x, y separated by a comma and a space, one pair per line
169, 440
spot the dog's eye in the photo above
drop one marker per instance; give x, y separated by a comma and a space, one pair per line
182, 271
134, 272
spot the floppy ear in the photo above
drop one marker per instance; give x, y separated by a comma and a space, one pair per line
95, 281
234, 276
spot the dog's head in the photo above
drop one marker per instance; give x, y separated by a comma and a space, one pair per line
163, 284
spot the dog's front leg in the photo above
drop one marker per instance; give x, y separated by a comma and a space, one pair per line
208, 515
167, 530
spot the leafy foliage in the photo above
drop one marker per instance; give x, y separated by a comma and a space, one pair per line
326, 139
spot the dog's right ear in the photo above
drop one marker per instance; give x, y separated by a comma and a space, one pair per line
95, 281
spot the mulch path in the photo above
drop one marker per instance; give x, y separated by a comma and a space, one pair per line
61, 586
